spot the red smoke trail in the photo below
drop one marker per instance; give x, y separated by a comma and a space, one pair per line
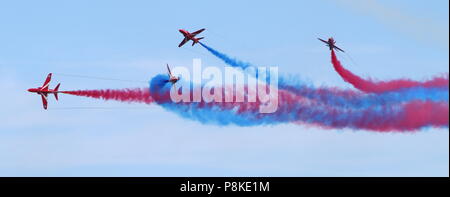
409, 116
425, 112
293, 108
370, 86
125, 95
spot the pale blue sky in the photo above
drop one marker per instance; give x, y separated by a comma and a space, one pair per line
134, 39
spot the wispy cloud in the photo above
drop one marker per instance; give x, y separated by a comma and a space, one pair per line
419, 28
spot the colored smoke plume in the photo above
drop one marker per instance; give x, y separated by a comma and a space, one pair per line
370, 86
137, 95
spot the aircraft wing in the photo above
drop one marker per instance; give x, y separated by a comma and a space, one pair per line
323, 40
168, 69
47, 81
44, 100
183, 42
197, 32
339, 49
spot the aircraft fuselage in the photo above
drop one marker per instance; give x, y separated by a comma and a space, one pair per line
188, 35
39, 91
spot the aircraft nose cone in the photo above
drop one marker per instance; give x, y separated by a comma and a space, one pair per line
29, 90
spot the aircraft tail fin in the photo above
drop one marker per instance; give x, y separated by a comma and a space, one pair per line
197, 41
56, 91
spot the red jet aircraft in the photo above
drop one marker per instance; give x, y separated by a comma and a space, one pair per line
190, 36
44, 90
331, 44
172, 79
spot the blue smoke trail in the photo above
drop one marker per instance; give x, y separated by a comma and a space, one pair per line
292, 110
354, 99
228, 60
341, 98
